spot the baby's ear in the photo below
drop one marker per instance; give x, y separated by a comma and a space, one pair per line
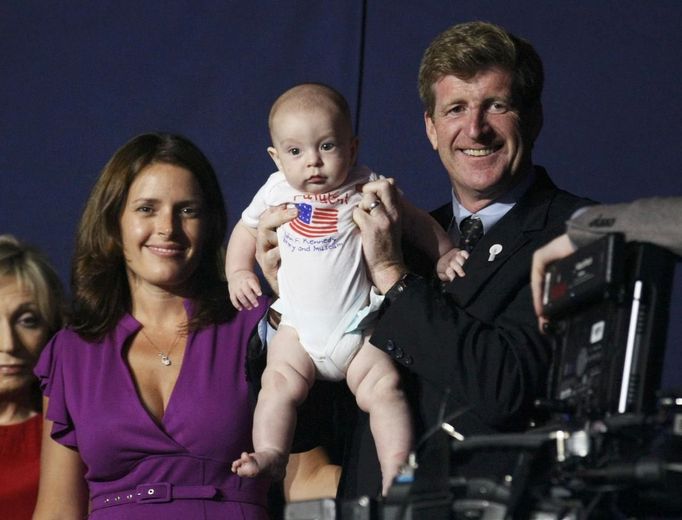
354, 145
272, 151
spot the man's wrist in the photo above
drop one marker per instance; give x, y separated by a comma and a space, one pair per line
386, 278
400, 286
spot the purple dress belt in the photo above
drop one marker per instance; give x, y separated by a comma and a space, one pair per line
165, 492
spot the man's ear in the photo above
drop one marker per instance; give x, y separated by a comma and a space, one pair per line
272, 151
431, 130
535, 120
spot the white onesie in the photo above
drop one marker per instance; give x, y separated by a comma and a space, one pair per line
325, 293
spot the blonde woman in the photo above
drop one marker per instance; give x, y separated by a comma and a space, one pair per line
30, 312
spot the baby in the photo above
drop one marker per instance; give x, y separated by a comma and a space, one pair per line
326, 299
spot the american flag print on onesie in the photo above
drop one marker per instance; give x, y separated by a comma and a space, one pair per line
315, 222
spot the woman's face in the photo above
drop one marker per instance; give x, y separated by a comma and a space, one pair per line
23, 334
162, 227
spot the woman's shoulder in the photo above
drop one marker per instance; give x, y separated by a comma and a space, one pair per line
68, 352
70, 339
69, 336
64, 347
65, 336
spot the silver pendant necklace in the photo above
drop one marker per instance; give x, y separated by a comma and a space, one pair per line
165, 358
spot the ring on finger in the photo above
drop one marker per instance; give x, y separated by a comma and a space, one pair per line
374, 205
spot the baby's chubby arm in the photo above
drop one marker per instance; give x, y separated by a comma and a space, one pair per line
422, 230
240, 258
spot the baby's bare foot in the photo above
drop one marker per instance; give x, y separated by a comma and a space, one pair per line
266, 463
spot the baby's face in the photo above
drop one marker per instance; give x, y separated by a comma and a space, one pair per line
313, 147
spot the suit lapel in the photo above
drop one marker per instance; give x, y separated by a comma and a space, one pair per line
514, 231
443, 215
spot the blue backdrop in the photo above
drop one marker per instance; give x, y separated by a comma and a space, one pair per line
80, 78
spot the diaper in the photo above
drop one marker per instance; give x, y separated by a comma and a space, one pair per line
334, 365
333, 349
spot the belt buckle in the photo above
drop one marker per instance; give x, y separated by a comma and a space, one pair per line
153, 493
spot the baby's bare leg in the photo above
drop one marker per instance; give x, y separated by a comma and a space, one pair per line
288, 376
375, 382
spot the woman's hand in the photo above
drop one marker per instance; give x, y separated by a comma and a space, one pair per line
267, 248
554, 250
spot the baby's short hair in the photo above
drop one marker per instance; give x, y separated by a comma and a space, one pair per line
312, 95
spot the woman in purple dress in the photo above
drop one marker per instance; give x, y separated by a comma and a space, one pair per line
146, 397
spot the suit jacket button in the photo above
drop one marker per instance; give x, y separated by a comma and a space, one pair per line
408, 360
390, 346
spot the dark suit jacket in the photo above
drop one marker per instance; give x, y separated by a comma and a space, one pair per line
474, 344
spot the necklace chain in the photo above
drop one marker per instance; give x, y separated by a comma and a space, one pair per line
165, 358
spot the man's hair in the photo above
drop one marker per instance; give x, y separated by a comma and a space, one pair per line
466, 49
306, 96
99, 279
34, 273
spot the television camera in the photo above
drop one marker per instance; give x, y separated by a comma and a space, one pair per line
609, 445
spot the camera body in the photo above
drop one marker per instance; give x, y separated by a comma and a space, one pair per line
608, 304
610, 446
615, 441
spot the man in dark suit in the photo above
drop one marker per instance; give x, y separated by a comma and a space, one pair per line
471, 347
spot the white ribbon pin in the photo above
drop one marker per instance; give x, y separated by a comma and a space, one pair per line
494, 250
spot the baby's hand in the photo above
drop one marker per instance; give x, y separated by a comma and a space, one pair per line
449, 265
244, 289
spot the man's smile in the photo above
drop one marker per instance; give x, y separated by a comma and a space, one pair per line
480, 152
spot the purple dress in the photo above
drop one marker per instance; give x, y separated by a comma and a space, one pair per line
138, 468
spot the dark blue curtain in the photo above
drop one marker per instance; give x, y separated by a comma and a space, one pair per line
80, 78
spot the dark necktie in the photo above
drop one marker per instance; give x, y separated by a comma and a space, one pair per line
471, 231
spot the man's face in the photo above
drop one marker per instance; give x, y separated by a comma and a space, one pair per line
480, 136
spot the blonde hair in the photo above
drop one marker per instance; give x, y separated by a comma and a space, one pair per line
33, 272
